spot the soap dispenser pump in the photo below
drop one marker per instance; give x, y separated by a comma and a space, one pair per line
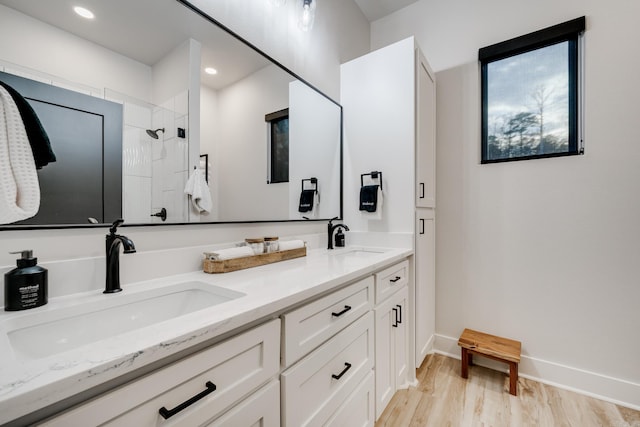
26, 286
339, 238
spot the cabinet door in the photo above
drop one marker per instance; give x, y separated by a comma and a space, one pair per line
391, 348
400, 339
425, 133
385, 353
425, 283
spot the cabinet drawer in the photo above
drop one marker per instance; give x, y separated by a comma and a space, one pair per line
311, 325
389, 280
236, 367
314, 388
358, 409
262, 409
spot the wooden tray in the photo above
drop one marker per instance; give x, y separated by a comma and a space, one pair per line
234, 264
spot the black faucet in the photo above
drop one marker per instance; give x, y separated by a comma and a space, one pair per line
113, 241
330, 229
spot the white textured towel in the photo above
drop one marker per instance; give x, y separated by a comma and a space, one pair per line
198, 190
287, 245
19, 187
230, 253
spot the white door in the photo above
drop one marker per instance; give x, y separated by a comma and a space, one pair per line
425, 133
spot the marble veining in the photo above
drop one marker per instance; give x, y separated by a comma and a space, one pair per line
29, 385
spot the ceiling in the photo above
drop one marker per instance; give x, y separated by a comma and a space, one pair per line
376, 9
147, 30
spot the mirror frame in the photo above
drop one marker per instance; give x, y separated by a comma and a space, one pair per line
188, 5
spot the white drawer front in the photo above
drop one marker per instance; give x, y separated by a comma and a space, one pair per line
310, 392
309, 326
389, 280
359, 408
261, 409
236, 367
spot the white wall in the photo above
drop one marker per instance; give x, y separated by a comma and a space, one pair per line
243, 192
314, 150
50, 50
544, 251
340, 33
209, 127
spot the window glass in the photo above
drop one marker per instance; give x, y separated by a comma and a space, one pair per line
528, 103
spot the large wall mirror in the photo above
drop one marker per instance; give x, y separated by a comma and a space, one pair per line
131, 83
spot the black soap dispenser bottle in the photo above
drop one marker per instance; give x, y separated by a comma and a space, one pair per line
339, 240
26, 286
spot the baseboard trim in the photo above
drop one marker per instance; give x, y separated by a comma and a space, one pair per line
615, 390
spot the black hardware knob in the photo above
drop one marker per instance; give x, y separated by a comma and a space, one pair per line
162, 214
395, 280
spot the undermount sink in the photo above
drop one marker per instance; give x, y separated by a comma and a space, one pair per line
50, 332
359, 253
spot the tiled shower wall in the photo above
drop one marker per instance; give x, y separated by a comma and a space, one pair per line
155, 170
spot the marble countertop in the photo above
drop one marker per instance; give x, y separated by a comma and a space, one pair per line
30, 385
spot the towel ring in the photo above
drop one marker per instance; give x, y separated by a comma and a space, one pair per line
373, 175
312, 181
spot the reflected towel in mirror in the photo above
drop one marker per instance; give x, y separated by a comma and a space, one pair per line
198, 190
19, 187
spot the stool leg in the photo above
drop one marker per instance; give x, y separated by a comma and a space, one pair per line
513, 378
470, 362
464, 366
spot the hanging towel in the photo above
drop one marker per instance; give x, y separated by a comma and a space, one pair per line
38, 138
198, 190
306, 200
371, 201
369, 198
19, 187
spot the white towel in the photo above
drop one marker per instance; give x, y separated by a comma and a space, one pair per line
230, 253
198, 190
19, 187
378, 213
290, 244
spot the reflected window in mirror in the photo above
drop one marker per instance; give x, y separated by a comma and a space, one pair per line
278, 146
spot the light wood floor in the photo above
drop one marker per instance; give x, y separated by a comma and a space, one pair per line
443, 398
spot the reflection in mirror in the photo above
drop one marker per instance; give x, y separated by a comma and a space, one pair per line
148, 57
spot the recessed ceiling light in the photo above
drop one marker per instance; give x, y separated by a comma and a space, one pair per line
85, 13
210, 70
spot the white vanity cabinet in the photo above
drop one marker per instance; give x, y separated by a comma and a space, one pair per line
195, 390
332, 342
392, 340
425, 278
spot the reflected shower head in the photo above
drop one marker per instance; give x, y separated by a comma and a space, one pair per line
154, 133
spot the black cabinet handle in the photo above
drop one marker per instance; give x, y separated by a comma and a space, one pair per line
395, 280
421, 225
346, 308
168, 413
422, 190
395, 317
347, 366
400, 313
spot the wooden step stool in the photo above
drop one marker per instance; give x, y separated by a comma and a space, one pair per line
496, 348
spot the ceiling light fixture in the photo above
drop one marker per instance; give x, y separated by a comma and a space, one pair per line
85, 13
307, 12
211, 71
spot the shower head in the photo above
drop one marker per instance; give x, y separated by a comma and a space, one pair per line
154, 133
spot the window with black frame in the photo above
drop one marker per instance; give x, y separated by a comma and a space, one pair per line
531, 95
278, 146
